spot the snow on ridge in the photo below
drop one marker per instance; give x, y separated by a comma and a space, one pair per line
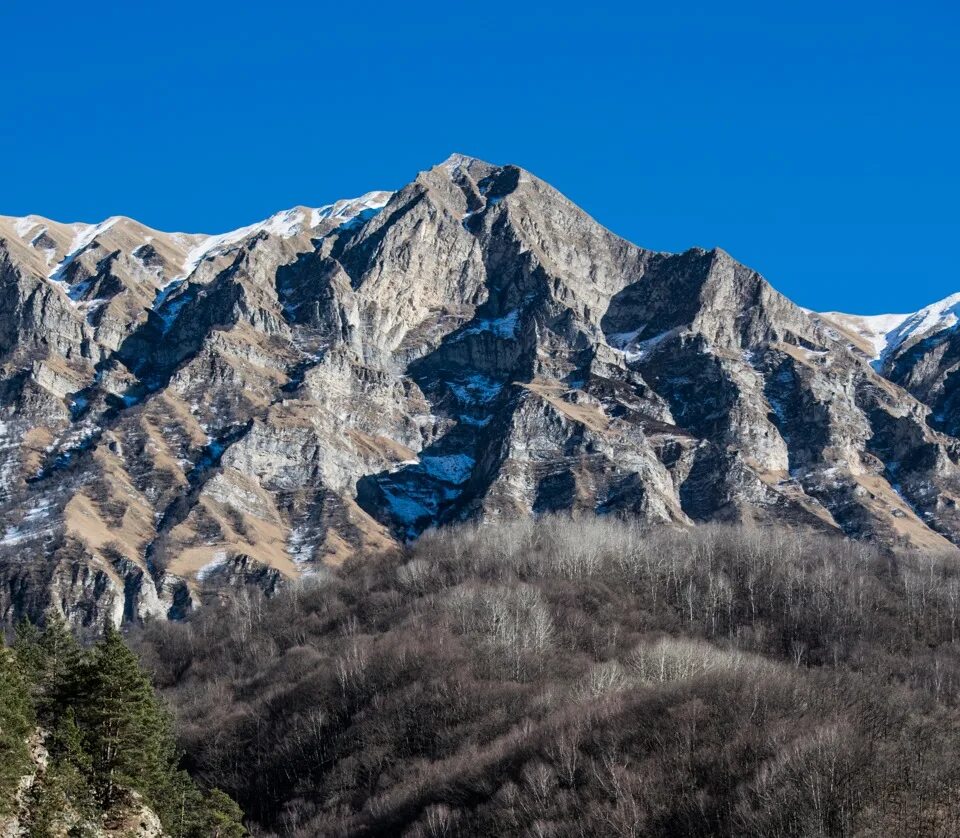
875, 329
888, 332
24, 225
934, 318
456, 161
84, 234
285, 224
348, 208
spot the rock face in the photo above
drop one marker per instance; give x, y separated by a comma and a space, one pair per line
182, 414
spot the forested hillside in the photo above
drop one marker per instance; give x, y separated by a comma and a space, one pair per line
568, 679
87, 748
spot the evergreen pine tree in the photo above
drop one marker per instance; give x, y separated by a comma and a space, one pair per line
17, 722
126, 728
51, 660
60, 650
188, 813
224, 818
73, 763
26, 649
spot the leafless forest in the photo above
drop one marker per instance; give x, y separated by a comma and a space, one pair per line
566, 678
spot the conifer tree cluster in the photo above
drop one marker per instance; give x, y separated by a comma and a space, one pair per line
17, 721
107, 733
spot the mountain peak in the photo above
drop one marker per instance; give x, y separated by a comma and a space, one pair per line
457, 160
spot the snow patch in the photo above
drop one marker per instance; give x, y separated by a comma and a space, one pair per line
30, 525
349, 208
168, 312
286, 224
404, 508
885, 333
301, 544
9, 446
476, 389
93, 307
452, 468
84, 234
218, 561
502, 327
635, 350
78, 404
23, 226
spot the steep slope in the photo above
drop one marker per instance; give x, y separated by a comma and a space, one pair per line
256, 406
919, 351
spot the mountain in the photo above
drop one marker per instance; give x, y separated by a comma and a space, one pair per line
183, 413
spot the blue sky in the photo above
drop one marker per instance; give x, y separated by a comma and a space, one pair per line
817, 142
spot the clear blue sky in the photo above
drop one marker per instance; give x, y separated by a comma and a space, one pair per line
817, 142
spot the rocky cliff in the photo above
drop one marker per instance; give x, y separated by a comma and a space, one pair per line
183, 413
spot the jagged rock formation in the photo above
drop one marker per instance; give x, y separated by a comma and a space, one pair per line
184, 413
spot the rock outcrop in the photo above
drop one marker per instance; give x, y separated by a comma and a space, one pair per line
181, 414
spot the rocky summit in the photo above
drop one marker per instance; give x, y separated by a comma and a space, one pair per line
180, 413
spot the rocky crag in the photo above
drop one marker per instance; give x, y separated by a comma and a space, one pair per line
180, 414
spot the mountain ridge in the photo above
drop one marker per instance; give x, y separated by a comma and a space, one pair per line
884, 332
472, 345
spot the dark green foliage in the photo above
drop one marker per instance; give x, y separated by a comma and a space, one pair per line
29, 656
218, 817
127, 732
187, 811
109, 735
17, 722
51, 661
584, 678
